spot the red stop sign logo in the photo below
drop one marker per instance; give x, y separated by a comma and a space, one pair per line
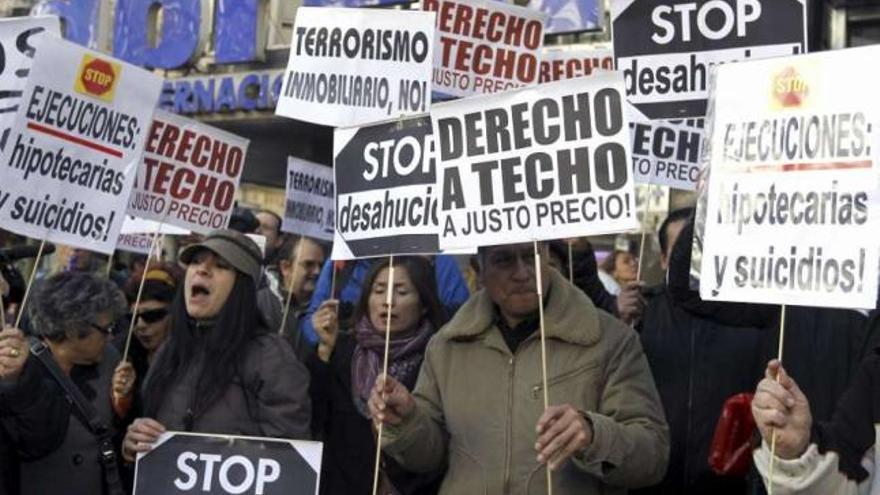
790, 89
97, 77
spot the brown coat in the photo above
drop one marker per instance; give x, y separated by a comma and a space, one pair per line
477, 404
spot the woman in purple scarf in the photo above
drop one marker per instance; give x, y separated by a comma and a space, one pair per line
345, 367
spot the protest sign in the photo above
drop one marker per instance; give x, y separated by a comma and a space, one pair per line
136, 234
569, 62
184, 463
666, 153
667, 48
485, 46
310, 200
386, 199
70, 160
351, 66
792, 205
18, 42
135, 243
189, 174
135, 225
537, 163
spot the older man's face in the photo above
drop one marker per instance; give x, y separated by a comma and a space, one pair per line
508, 275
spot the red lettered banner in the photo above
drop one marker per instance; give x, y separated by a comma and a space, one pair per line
189, 174
484, 46
569, 63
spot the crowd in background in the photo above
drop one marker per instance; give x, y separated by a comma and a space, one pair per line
652, 389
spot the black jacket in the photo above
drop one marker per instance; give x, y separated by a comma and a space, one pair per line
57, 454
349, 442
697, 365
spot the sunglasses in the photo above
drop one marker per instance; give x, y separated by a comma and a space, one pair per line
150, 315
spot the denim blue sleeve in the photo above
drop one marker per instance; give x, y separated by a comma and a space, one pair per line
451, 286
321, 294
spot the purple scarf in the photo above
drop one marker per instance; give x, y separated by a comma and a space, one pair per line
405, 355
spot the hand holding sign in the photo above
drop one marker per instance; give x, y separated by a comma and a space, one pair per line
780, 405
141, 436
326, 323
562, 431
13, 353
390, 402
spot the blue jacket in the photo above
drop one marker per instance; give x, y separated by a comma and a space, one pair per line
451, 288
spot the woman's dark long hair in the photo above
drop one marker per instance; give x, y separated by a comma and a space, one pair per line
222, 348
421, 274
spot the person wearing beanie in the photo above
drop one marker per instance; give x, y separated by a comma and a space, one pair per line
221, 370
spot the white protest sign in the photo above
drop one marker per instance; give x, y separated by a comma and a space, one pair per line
793, 193
386, 199
666, 153
538, 163
184, 463
569, 62
18, 42
135, 243
485, 46
310, 200
667, 48
135, 225
189, 174
354, 66
136, 234
71, 158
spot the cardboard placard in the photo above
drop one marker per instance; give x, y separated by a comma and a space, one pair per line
353, 66
793, 194
485, 46
181, 463
310, 200
71, 157
539, 163
189, 174
667, 48
386, 198
18, 40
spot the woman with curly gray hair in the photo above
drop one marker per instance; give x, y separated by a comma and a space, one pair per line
60, 450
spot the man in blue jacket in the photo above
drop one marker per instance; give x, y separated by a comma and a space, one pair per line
451, 288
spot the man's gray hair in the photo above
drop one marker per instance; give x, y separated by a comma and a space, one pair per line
71, 301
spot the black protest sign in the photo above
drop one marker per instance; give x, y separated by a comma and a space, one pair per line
538, 163
386, 199
185, 463
666, 48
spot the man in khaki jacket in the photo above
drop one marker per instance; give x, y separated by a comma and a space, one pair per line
478, 404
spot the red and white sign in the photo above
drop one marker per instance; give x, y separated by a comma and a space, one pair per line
569, 63
485, 46
189, 174
71, 156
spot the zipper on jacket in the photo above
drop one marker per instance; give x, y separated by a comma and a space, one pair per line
509, 434
690, 408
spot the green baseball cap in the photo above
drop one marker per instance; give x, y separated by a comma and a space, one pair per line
236, 248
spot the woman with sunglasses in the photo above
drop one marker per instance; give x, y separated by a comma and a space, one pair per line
72, 318
151, 325
221, 370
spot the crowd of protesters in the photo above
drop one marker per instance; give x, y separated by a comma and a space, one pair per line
652, 390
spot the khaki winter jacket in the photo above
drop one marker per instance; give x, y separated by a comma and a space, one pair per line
477, 404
